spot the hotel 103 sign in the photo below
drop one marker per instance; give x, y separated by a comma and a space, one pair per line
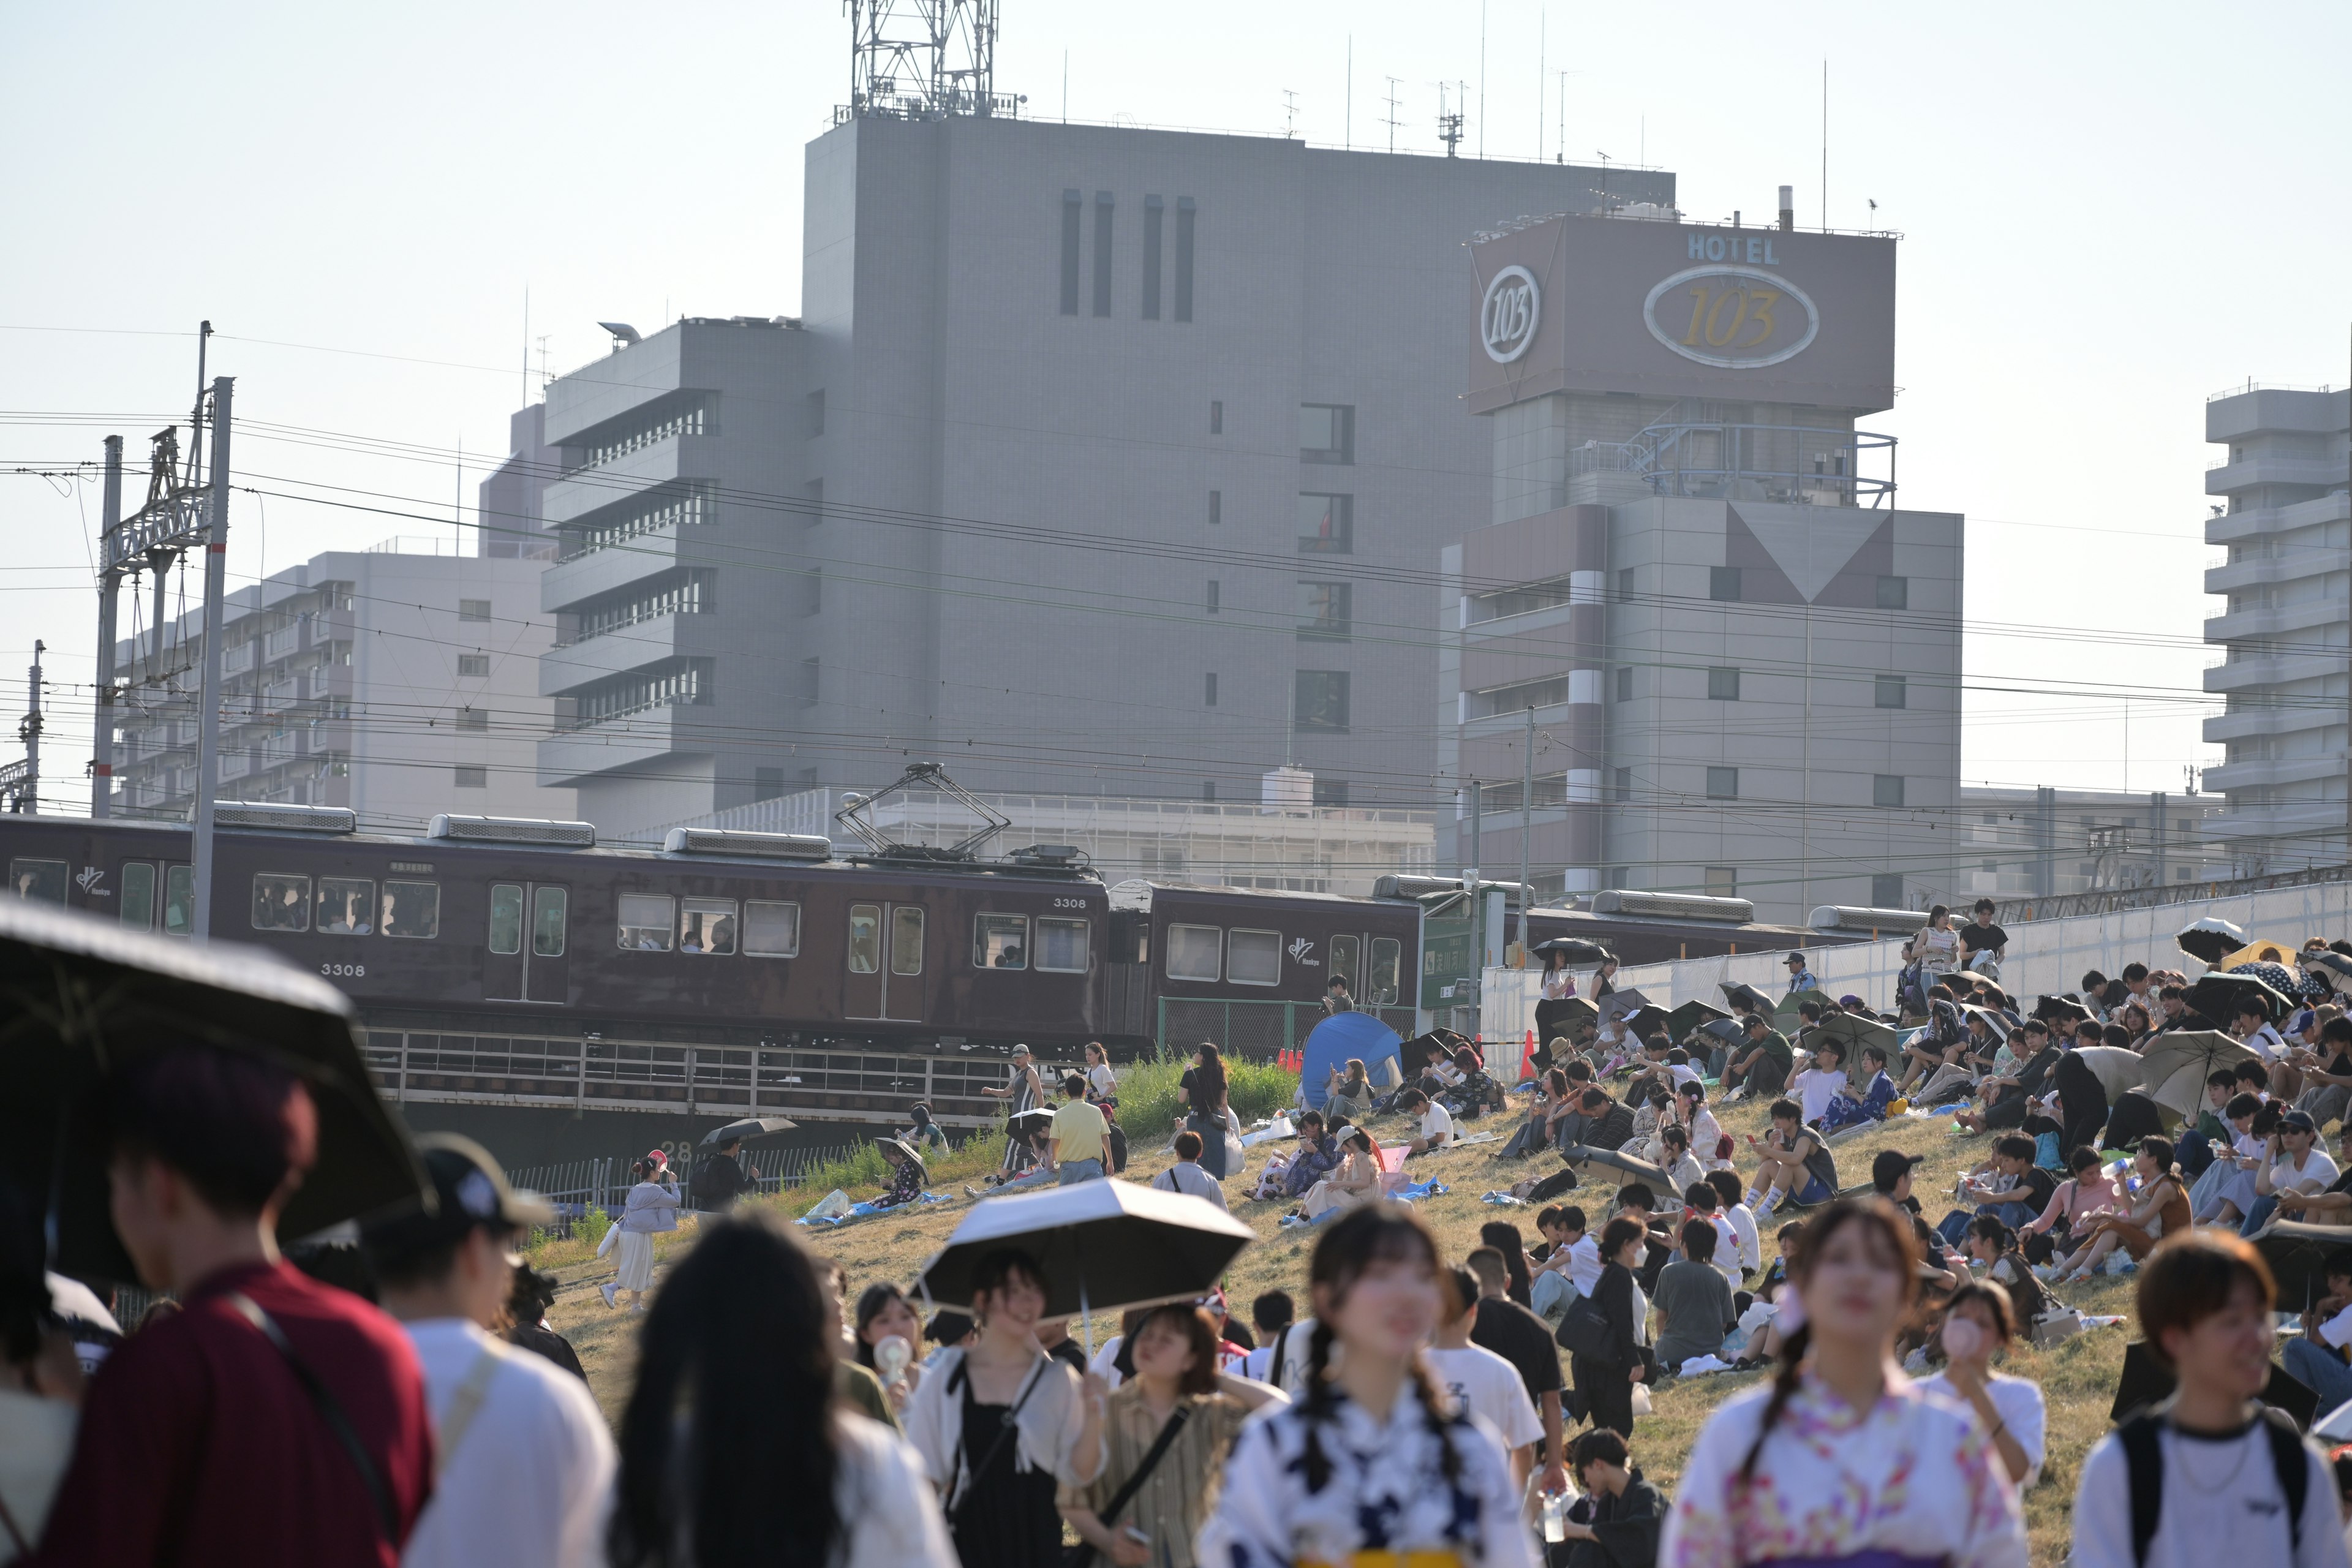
1508, 316
1733, 317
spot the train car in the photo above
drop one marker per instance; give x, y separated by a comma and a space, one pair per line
1249, 968
1651, 927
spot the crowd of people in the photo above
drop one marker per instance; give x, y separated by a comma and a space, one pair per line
405, 1400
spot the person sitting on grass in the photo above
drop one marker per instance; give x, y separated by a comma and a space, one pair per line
1570, 1264
1607, 1124
2160, 1209
1682, 1168
1436, 1124
1318, 1155
2317, 1359
1791, 1163
1348, 1098
1761, 1065
1693, 1298
1822, 1081
1747, 1243
1708, 1140
1848, 1110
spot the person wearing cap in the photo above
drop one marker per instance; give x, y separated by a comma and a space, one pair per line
1890, 1177
1800, 978
651, 1209
2296, 1164
1025, 1091
1762, 1067
523, 1462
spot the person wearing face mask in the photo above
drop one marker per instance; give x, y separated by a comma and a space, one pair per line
1372, 1460
1774, 1471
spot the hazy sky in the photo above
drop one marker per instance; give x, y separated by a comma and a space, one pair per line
2110, 213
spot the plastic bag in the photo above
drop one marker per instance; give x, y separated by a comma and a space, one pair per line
1642, 1399
612, 1238
832, 1205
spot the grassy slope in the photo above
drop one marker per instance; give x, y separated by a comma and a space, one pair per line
2078, 1376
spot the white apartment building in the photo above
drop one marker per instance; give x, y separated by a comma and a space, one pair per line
398, 684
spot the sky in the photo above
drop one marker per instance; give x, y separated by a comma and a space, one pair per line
2110, 213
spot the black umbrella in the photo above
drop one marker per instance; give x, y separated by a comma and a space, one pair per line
1741, 994
2218, 996
2297, 1253
81, 996
2210, 939
1723, 1029
1690, 1015
1623, 1004
2066, 1007
1576, 949
1855, 1031
2332, 967
749, 1127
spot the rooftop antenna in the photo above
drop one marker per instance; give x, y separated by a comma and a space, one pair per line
1449, 126
1289, 113
1561, 157
1391, 100
924, 60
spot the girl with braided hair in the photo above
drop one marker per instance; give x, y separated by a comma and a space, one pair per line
1842, 1459
1369, 1465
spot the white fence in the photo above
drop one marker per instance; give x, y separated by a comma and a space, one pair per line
2043, 955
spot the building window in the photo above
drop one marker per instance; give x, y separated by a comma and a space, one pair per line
672, 593
1886, 789
812, 585
813, 512
1213, 596
1895, 593
692, 504
1327, 433
1072, 203
474, 665
1621, 786
1319, 701
1152, 211
1624, 683
1625, 584
1216, 507
1892, 691
477, 719
816, 412
1209, 791
683, 412
473, 777
1723, 583
1621, 877
1723, 784
1548, 595
1217, 418
811, 672
1102, 253
1323, 611
1209, 691
1722, 881
672, 682
474, 610
767, 784
1886, 890
1326, 524
1185, 216
1722, 683
1331, 792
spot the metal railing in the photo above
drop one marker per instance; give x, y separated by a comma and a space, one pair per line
2109, 901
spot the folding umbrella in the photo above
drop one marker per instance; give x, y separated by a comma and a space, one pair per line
2117, 1068
1102, 1247
1724, 1029
2049, 1007
1690, 1015
1621, 1004
1796, 999
81, 997
2218, 996
1739, 994
1023, 1123
2174, 1067
2332, 967
1615, 1168
1649, 1015
2210, 939
749, 1127
2000, 1025
2280, 954
1855, 1031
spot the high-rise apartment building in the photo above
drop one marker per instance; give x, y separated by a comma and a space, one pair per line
1098, 461
2285, 515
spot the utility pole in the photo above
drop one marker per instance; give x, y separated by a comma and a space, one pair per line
208, 698
20, 782
1526, 827
1471, 873
101, 764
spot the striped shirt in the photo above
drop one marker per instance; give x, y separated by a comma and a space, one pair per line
1174, 1500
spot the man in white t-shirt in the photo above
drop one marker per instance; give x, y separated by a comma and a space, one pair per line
1824, 1081
523, 1459
1437, 1121
1480, 1381
2293, 1162
1571, 1268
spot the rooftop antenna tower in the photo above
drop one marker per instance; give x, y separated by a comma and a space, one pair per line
923, 60
1391, 120
1449, 126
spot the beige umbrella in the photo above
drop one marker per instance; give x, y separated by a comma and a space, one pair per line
2174, 1067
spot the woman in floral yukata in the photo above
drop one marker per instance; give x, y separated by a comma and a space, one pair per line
1843, 1459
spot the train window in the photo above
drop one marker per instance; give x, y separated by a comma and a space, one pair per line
506, 918
770, 930
1193, 952
1388, 954
1345, 952
1000, 941
411, 909
645, 922
1253, 958
1062, 946
41, 879
279, 902
865, 939
346, 906
907, 940
137, 912
549, 908
179, 900
706, 925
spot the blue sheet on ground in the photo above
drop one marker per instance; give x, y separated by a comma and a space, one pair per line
867, 1211
1337, 1038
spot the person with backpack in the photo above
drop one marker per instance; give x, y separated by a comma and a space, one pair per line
522, 1461
719, 1179
2210, 1475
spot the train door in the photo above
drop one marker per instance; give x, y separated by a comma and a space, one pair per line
529, 944
155, 895
885, 962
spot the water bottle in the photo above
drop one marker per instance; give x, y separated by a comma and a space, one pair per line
1555, 1513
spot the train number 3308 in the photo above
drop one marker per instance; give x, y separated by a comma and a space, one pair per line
1069, 903
344, 970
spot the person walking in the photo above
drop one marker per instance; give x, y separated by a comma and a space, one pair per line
1776, 1471
1001, 1424
270, 1419
523, 1464
1168, 1430
1369, 1461
2233, 1482
650, 1210
1605, 1369
1102, 1079
1201, 1091
1080, 1135
719, 1179
733, 1447
1022, 1090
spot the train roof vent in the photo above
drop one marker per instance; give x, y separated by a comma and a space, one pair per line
1049, 855
1850, 917
1672, 906
286, 819
761, 846
514, 830
1394, 887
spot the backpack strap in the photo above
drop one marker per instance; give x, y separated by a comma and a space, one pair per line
330, 1411
2294, 1469
464, 1405
2143, 1444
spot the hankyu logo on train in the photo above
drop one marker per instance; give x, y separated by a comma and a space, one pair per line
1733, 318
1508, 316
1299, 948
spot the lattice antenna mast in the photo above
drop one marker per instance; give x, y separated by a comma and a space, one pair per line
922, 59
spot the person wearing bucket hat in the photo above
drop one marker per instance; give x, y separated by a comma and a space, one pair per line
1800, 978
523, 1460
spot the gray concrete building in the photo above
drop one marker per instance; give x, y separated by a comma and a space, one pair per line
2285, 515
2020, 842
1733, 660
397, 682
1098, 461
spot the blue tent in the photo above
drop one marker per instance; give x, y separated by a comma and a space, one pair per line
1339, 1037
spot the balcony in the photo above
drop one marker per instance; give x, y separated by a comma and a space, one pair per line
236, 661
2266, 469
567, 668
575, 756
2227, 576
286, 639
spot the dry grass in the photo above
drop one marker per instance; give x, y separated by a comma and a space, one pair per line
2078, 1376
